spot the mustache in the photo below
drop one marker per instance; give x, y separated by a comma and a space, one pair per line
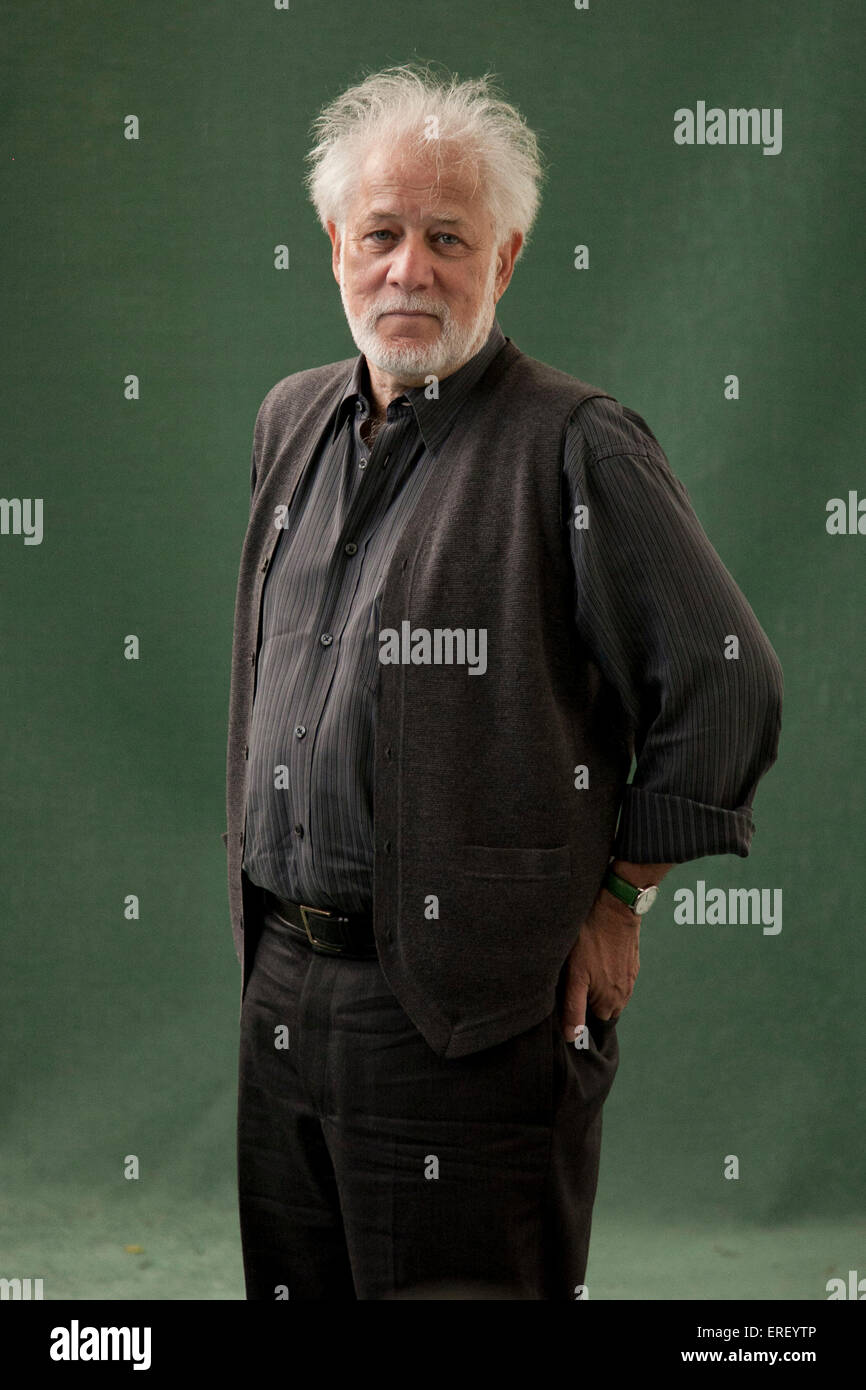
436, 312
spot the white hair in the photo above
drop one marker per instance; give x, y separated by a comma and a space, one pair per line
474, 126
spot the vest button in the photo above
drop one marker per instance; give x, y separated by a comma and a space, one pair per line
350, 548
300, 730
326, 639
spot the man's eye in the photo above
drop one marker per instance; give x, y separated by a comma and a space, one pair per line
452, 238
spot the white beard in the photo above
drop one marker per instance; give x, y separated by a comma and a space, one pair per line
454, 346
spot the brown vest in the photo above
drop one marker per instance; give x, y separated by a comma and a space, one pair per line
487, 858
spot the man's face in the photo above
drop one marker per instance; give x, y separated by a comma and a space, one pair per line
417, 265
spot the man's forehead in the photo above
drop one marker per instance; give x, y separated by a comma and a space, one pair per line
395, 182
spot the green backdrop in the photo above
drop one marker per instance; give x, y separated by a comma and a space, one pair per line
155, 257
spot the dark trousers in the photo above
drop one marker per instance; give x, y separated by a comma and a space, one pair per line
371, 1168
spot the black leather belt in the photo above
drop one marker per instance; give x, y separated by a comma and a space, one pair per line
330, 933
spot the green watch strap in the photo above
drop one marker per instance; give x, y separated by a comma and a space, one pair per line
626, 892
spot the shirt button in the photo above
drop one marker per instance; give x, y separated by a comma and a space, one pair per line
362, 463
299, 831
326, 639
300, 730
350, 547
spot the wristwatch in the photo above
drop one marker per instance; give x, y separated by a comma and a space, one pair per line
640, 900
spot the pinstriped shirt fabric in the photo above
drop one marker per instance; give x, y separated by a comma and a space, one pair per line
657, 607
311, 840
653, 603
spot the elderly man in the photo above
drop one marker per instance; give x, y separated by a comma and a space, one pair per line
472, 591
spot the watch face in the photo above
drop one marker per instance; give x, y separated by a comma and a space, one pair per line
645, 900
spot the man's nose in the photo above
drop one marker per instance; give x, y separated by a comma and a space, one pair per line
410, 266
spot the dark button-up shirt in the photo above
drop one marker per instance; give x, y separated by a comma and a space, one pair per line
309, 828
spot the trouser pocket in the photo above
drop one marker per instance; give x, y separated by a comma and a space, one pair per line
591, 1065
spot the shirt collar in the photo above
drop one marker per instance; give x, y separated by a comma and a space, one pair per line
434, 416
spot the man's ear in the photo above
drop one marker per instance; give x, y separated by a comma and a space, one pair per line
505, 262
336, 247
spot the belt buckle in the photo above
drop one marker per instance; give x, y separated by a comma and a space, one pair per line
322, 912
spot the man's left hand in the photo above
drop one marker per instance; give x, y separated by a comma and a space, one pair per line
603, 965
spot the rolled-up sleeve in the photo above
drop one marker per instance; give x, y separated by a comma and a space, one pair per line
699, 684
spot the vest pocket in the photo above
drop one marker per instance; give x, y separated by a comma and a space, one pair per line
505, 861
